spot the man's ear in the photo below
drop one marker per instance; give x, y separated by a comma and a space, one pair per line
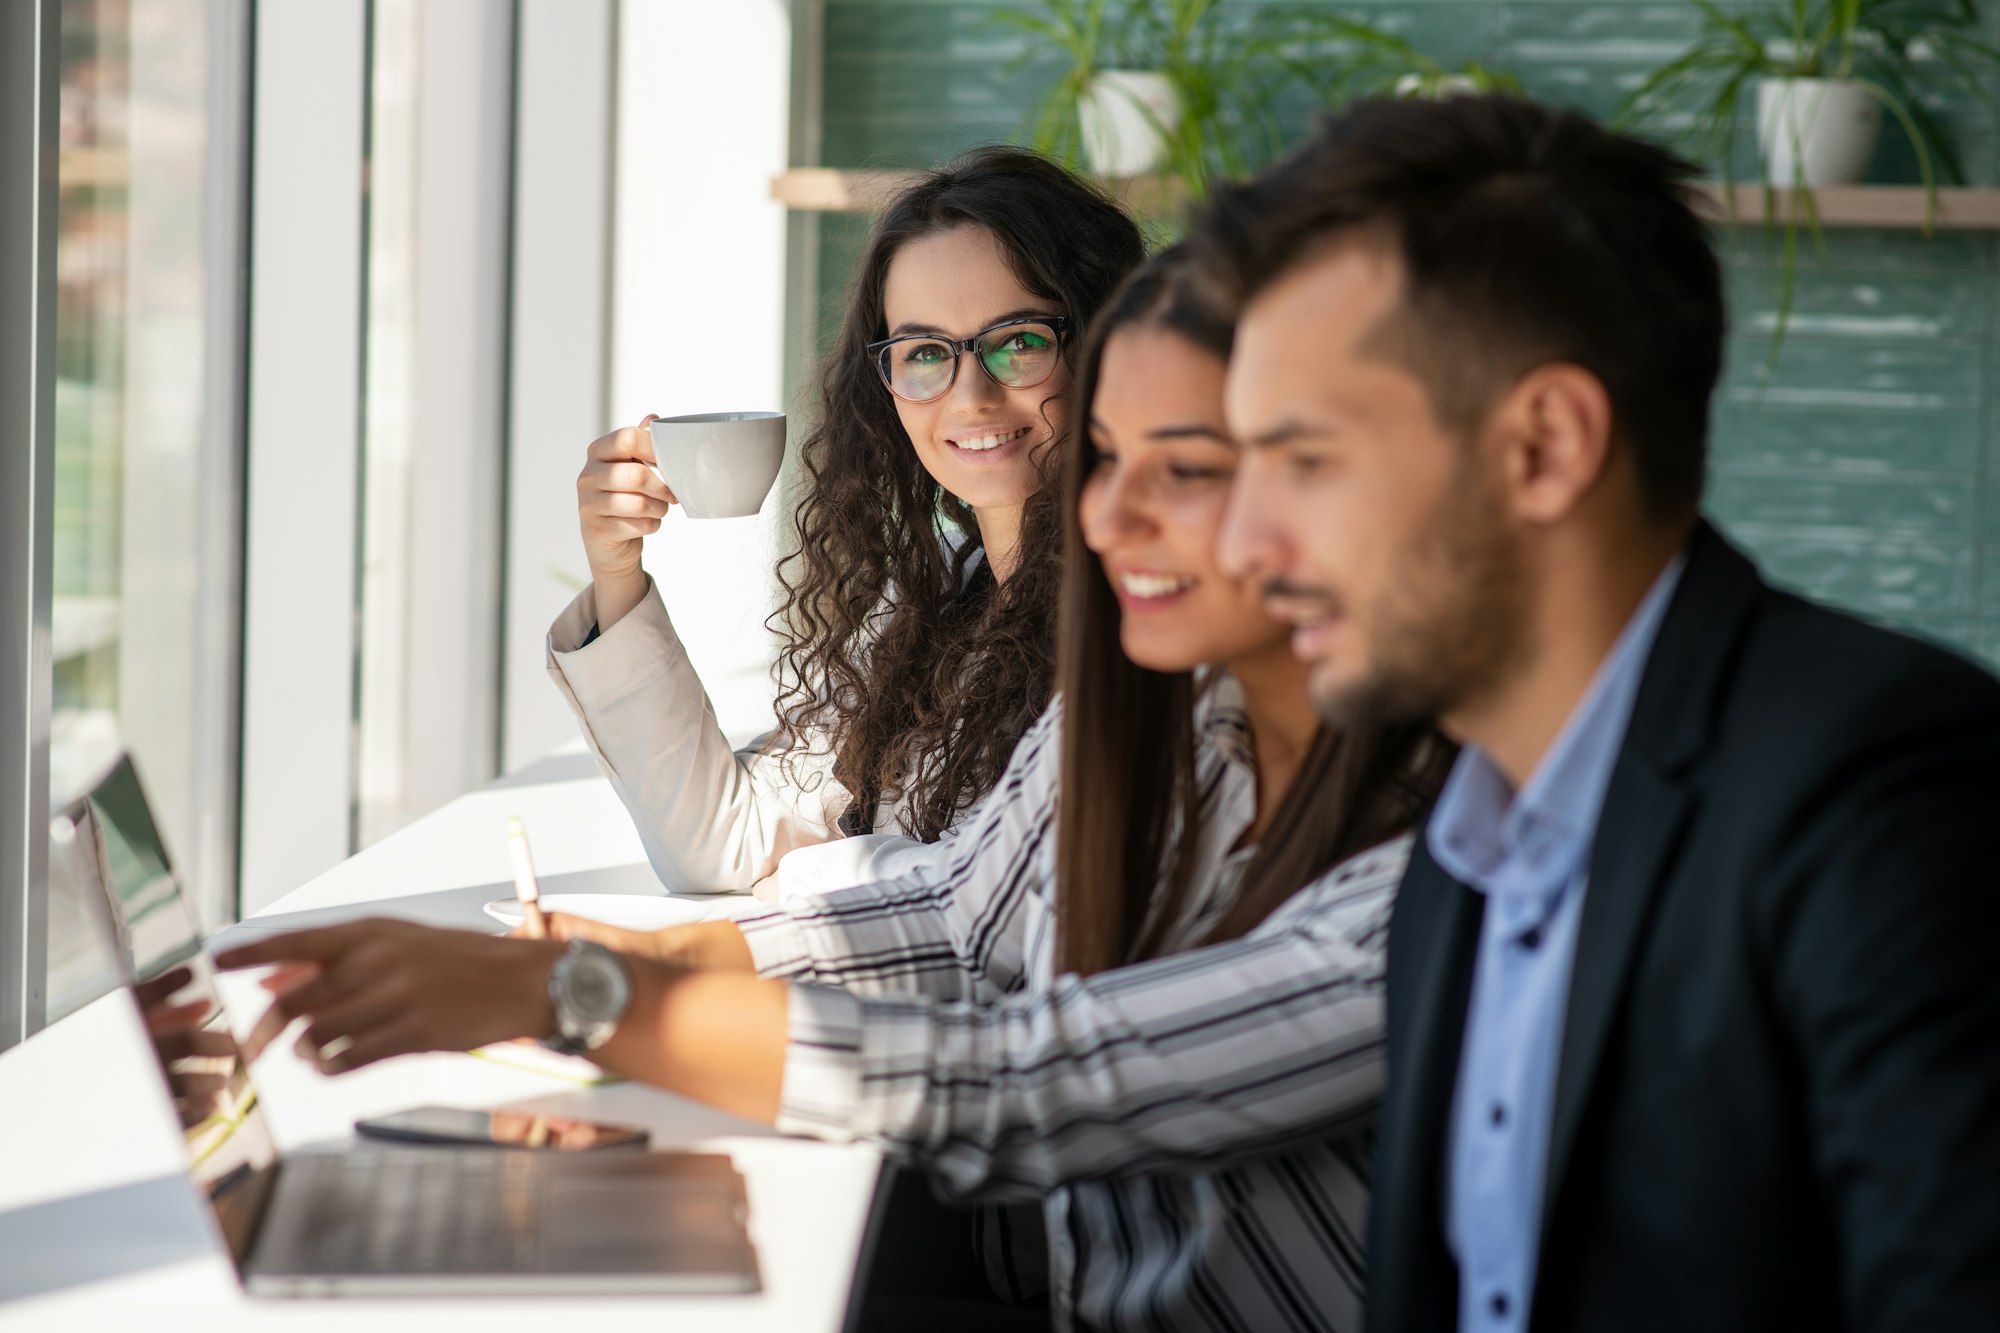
1552, 433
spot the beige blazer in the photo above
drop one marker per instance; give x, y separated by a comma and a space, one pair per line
713, 819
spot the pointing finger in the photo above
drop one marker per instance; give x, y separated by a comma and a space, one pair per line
268, 1028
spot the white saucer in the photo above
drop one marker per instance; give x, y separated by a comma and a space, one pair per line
631, 910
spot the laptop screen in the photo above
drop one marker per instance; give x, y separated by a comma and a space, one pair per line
229, 1144
84, 959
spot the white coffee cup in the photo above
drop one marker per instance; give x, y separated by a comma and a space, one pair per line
720, 464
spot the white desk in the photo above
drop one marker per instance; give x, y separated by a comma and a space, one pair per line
100, 1229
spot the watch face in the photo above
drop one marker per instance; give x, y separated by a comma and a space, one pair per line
597, 987
591, 988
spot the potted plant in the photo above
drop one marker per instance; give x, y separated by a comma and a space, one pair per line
1347, 59
1189, 89
1823, 72
1108, 109
1127, 120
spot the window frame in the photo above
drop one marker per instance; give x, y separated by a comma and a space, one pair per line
29, 52
30, 152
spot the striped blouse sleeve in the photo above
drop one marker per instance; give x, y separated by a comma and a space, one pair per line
954, 926
1187, 1061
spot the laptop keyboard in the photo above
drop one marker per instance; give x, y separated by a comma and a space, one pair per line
427, 1211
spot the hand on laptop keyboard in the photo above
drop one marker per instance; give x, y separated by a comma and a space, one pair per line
376, 988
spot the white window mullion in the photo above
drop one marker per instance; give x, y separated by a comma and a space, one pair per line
304, 370
465, 107
561, 348
28, 144
434, 439
218, 699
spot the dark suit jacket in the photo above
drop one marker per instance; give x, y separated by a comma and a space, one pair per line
1778, 1101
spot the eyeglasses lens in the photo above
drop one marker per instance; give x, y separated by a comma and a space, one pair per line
920, 371
1019, 356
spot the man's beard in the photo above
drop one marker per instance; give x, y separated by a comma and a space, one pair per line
1453, 627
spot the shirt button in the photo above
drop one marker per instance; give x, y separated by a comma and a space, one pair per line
1499, 1115
1531, 940
1499, 1305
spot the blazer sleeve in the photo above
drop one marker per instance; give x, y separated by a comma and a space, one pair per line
712, 819
842, 863
1888, 971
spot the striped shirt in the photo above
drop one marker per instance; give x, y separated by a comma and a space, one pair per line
1198, 1126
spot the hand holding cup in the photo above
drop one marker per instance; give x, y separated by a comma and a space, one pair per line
716, 464
620, 501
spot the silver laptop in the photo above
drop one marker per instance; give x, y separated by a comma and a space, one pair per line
386, 1220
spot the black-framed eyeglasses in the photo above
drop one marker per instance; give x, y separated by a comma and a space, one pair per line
1019, 354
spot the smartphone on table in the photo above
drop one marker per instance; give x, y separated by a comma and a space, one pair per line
499, 1129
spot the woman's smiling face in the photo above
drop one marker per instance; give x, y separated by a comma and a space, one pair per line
980, 441
1153, 503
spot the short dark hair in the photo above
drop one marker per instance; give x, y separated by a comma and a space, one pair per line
1527, 235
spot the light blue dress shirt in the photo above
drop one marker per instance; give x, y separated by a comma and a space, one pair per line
1529, 854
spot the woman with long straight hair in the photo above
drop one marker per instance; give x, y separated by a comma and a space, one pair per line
1175, 1046
921, 594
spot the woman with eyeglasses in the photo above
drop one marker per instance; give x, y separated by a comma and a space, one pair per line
920, 601
1141, 985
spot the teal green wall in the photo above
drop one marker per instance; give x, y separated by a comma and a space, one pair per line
1864, 471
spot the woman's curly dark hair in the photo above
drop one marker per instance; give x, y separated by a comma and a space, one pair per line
925, 676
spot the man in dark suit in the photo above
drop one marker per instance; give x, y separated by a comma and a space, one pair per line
1694, 983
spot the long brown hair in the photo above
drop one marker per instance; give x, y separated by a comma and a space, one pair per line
924, 670
1129, 812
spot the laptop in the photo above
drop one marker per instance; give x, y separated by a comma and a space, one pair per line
384, 1220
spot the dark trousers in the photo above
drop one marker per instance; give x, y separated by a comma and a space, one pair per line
926, 1274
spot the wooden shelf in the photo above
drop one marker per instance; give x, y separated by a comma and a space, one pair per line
93, 166
838, 190
832, 190
1895, 207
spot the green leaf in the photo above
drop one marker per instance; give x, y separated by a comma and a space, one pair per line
1901, 112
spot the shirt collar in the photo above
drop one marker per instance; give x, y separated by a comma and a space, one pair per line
1494, 840
1221, 721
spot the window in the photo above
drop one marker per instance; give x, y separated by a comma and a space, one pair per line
146, 527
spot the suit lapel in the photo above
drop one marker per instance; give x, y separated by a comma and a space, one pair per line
1646, 809
1433, 940
1644, 814
1443, 971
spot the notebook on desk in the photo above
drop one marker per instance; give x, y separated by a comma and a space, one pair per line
538, 1059
380, 1220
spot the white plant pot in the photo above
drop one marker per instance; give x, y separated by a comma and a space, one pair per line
1449, 85
1816, 131
1126, 117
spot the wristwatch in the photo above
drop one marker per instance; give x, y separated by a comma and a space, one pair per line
589, 991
